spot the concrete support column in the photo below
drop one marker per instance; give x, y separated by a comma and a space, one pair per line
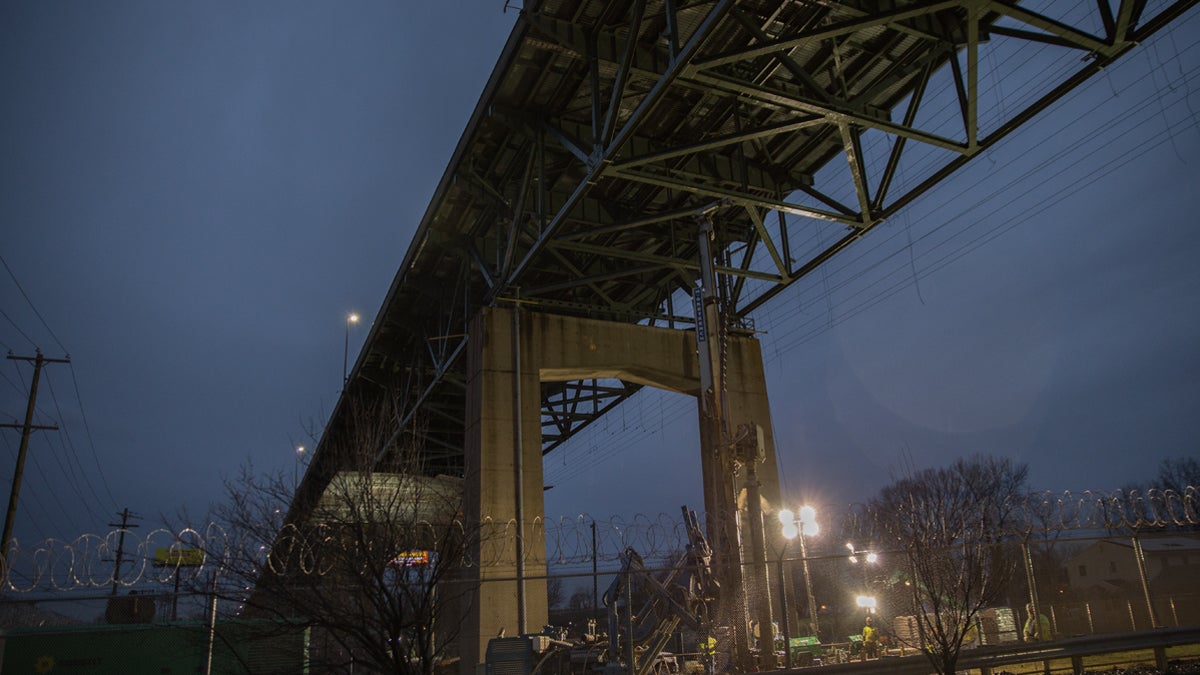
499, 398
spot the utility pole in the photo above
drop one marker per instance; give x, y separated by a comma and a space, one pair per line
26, 430
124, 525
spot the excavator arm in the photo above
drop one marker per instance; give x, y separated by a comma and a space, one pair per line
644, 610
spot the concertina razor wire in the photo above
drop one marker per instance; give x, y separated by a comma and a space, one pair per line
156, 557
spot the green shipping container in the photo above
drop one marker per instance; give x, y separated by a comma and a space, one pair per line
258, 647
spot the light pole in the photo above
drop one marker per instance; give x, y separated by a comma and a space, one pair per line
870, 558
803, 525
864, 601
783, 609
296, 468
350, 318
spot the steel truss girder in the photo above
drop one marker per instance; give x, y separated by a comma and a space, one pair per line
850, 119
569, 407
578, 206
607, 153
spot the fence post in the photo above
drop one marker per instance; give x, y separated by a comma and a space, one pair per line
212, 627
1031, 579
1140, 557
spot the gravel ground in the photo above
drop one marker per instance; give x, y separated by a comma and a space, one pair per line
1173, 668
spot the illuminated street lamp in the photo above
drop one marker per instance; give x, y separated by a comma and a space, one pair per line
296, 468
803, 525
866, 602
350, 318
871, 557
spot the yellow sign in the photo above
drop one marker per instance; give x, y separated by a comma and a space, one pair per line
410, 558
178, 557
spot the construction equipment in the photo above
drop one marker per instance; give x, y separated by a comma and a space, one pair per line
645, 607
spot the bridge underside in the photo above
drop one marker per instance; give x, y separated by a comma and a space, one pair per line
607, 124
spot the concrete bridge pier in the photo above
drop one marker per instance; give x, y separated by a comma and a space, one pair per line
511, 352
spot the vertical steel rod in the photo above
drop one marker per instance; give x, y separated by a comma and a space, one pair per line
518, 463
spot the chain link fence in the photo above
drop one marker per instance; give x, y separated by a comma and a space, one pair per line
1090, 564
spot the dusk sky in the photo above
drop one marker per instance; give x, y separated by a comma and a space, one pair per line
194, 196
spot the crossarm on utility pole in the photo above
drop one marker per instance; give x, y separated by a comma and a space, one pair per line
27, 429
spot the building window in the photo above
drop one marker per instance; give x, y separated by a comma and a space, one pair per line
1083, 570
1112, 566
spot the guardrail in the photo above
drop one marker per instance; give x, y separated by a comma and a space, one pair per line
988, 660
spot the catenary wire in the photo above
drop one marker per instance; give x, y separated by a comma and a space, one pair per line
678, 407
31, 305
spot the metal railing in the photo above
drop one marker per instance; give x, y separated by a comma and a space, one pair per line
1151, 648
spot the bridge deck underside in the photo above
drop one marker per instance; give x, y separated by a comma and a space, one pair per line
607, 123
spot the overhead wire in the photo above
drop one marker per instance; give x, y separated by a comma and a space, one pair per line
12, 384
1104, 169
40, 474
680, 404
47, 486
678, 407
38, 506
31, 305
17, 328
954, 199
940, 115
91, 442
73, 458
73, 462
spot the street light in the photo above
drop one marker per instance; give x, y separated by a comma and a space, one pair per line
296, 467
871, 558
803, 525
866, 602
350, 318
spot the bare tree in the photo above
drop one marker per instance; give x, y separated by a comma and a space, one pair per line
1178, 487
369, 562
555, 596
1165, 503
948, 522
1178, 474
580, 600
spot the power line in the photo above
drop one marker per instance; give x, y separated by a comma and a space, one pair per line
17, 328
597, 454
1093, 135
32, 496
69, 471
91, 443
1101, 170
31, 305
